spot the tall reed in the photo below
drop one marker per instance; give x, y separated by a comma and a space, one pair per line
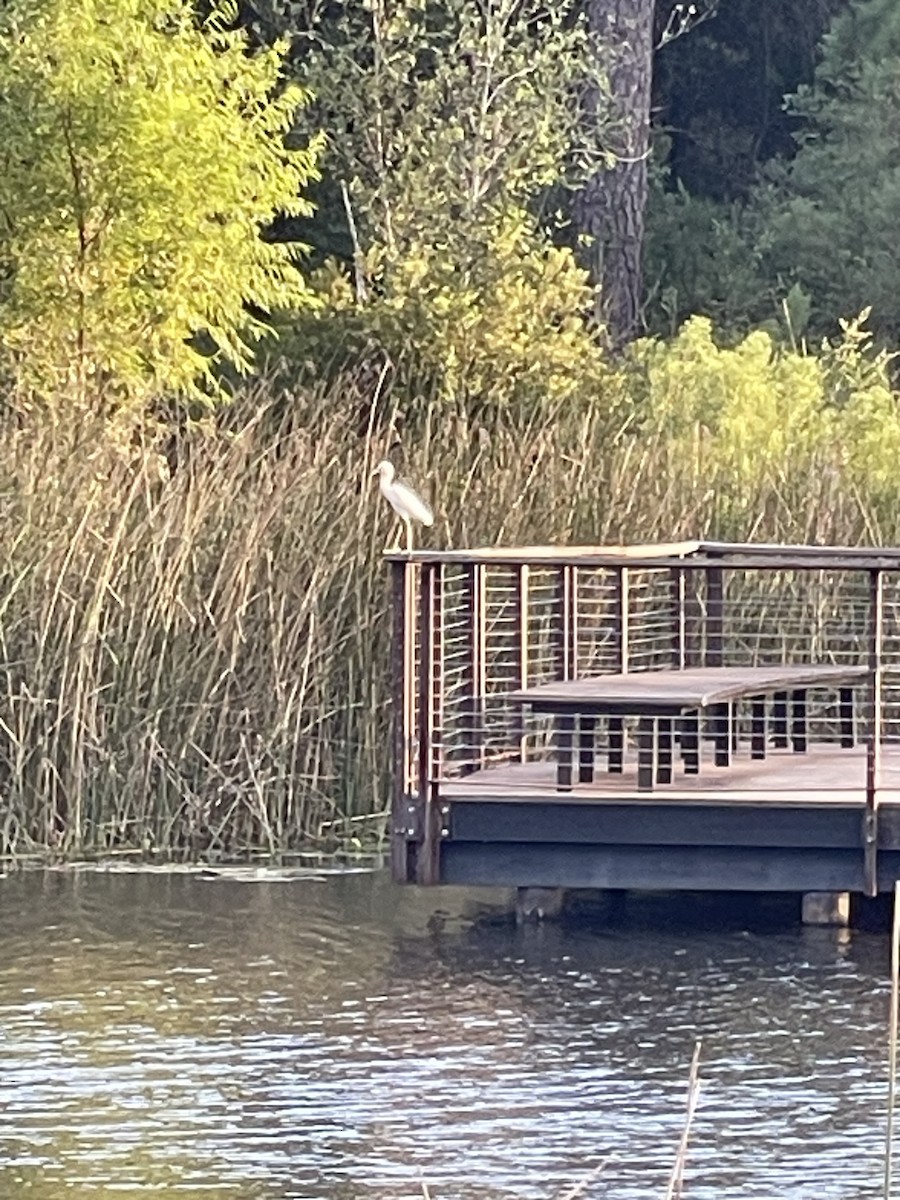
193, 647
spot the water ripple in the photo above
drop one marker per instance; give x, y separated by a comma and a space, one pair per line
334, 1037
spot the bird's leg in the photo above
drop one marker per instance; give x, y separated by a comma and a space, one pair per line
408, 525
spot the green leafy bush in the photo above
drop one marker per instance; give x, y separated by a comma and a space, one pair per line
471, 115
762, 423
140, 157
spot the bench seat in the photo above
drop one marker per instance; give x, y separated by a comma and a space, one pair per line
658, 698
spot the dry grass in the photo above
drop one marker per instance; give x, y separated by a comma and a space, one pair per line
194, 660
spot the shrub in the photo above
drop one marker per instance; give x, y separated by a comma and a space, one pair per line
141, 157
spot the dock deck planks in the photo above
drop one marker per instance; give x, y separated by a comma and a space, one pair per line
825, 774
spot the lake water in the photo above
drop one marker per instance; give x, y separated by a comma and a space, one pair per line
336, 1037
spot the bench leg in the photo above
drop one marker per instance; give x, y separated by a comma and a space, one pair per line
845, 708
646, 739
779, 720
798, 721
664, 750
690, 743
758, 727
721, 723
565, 736
616, 745
586, 750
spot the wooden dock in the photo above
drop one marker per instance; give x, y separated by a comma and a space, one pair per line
732, 713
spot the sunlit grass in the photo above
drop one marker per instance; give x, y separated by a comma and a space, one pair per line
195, 646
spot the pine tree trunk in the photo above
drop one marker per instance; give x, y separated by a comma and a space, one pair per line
610, 208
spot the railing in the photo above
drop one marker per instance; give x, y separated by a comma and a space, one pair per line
472, 626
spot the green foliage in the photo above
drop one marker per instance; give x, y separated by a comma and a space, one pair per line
704, 256
506, 326
140, 158
836, 210
752, 418
449, 125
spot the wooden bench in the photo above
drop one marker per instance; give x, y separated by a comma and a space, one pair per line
659, 698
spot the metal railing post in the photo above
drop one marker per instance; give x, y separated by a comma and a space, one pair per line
523, 579
403, 808
873, 733
679, 619
431, 640
568, 615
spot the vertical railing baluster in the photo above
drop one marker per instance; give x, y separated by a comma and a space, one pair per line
679, 619
567, 622
873, 733
523, 579
622, 619
574, 641
430, 685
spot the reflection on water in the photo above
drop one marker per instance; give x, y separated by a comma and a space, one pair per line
336, 1037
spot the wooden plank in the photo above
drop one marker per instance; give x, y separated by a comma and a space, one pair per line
696, 687
797, 550
551, 555
825, 770
673, 554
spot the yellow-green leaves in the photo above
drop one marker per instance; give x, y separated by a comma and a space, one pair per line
754, 418
140, 158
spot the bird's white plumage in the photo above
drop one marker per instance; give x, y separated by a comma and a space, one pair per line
406, 503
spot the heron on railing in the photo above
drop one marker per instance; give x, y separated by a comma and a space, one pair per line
406, 503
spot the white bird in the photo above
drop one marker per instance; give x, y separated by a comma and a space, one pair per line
407, 504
